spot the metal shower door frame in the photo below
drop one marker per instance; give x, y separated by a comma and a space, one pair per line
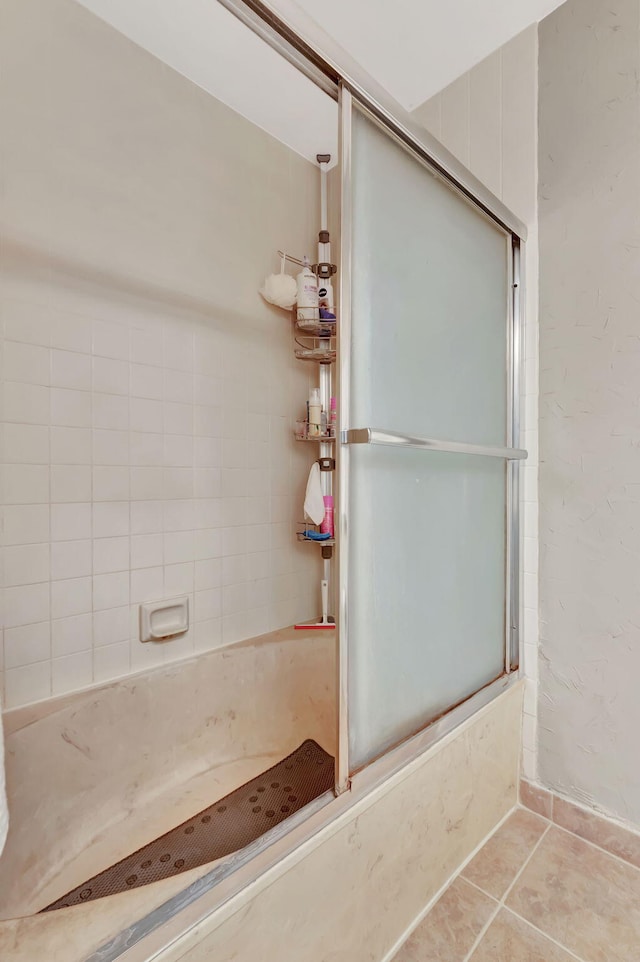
511, 453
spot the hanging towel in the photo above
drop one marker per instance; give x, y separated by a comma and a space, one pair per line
4, 811
313, 500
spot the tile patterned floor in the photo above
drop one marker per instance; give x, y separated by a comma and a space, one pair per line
534, 893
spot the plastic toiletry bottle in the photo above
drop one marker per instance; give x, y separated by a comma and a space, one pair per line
307, 297
333, 417
327, 522
315, 413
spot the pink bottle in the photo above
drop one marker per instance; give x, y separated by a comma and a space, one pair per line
327, 522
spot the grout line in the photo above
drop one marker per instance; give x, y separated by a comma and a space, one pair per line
501, 903
545, 935
598, 848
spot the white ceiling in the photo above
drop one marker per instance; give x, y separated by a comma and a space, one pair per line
414, 48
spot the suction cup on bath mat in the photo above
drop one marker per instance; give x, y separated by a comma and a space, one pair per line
228, 825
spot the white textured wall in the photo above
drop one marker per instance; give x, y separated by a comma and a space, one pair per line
148, 393
590, 403
488, 119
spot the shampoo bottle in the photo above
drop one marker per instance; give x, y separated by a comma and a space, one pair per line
307, 297
315, 413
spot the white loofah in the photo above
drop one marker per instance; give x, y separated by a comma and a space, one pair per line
280, 289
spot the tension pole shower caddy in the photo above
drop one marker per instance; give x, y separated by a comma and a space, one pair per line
315, 338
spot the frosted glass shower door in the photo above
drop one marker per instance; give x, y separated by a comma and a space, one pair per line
427, 556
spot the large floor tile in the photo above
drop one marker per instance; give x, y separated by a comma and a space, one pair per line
499, 861
509, 939
582, 897
452, 926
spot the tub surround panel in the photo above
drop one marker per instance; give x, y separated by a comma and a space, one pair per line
147, 392
168, 743
360, 888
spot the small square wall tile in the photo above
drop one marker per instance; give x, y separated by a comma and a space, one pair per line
25, 444
110, 554
70, 635
178, 580
70, 522
25, 523
25, 483
110, 483
70, 333
179, 547
110, 519
110, 412
26, 564
536, 799
146, 449
110, 447
27, 684
25, 605
25, 362
146, 382
110, 590
111, 661
27, 645
178, 418
110, 340
146, 348
70, 408
147, 584
529, 764
146, 415
71, 672
110, 626
70, 483
71, 370
146, 550
70, 445
208, 604
208, 635
25, 403
70, 559
71, 597
530, 732
110, 376
27, 321
146, 517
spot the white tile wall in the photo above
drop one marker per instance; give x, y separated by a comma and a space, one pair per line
147, 393
488, 119
131, 512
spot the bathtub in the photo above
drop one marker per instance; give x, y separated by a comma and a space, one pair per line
94, 775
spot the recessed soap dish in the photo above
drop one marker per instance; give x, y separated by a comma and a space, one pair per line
163, 619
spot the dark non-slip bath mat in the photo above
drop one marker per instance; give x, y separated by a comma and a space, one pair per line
225, 827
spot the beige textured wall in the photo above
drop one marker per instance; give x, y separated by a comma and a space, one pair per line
488, 120
590, 389
148, 394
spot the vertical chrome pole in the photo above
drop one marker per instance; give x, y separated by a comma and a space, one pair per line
342, 451
512, 649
